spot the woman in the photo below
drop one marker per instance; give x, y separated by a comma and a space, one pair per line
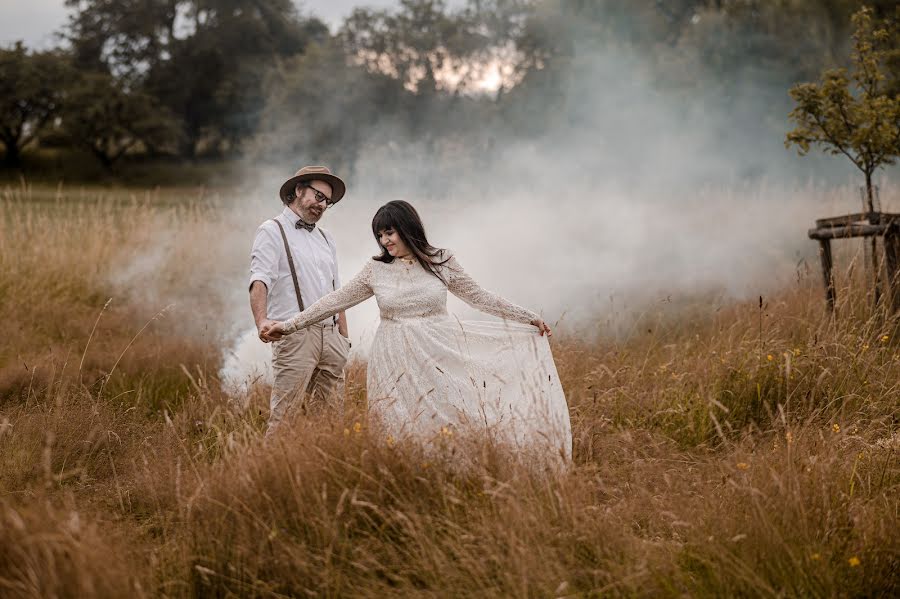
429, 374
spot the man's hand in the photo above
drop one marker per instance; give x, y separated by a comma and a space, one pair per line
542, 327
267, 331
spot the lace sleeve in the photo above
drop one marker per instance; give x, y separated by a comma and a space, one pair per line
357, 290
465, 288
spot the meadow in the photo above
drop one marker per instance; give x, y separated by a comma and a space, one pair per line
746, 450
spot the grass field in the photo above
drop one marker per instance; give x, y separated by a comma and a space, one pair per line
750, 450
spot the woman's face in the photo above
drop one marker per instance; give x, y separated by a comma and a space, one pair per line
390, 240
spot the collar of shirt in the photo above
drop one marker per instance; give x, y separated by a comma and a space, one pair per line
291, 217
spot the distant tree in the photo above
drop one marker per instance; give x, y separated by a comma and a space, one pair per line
321, 109
204, 60
31, 93
730, 40
109, 121
891, 48
852, 114
422, 44
434, 55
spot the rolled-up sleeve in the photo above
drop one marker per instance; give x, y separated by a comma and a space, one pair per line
264, 257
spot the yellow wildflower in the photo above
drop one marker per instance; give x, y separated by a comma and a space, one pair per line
884, 338
853, 561
390, 441
743, 466
815, 557
446, 432
796, 351
789, 437
865, 346
770, 357
836, 427
357, 427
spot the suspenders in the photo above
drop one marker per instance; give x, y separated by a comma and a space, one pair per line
290, 259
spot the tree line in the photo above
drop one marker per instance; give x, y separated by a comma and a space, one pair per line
220, 78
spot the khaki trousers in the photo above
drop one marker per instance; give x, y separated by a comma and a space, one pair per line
309, 374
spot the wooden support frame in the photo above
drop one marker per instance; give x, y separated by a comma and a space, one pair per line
860, 224
827, 271
849, 219
846, 231
892, 262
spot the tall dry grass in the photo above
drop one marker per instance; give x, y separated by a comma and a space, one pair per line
745, 450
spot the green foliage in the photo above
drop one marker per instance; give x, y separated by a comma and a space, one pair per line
204, 61
891, 49
852, 113
219, 71
419, 44
109, 120
31, 92
310, 100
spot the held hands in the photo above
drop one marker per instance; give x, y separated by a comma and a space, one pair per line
270, 330
542, 327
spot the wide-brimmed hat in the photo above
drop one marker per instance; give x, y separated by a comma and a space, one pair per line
314, 173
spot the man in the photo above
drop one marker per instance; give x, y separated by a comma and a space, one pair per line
293, 263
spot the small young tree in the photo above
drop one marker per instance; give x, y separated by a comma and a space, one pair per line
853, 114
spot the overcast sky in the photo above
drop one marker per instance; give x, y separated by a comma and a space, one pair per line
35, 21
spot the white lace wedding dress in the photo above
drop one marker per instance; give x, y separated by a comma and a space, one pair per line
430, 374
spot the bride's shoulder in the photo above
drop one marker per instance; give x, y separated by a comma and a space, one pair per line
443, 256
445, 261
368, 271
373, 265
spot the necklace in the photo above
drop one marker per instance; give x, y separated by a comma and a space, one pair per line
408, 260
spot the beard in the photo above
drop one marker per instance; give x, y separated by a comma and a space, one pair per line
312, 215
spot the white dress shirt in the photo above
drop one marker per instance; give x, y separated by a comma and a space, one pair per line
315, 260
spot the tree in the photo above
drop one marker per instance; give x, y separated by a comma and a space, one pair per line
423, 45
109, 121
320, 109
891, 47
862, 122
204, 60
31, 92
434, 56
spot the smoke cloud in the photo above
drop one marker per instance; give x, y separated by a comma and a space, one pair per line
635, 193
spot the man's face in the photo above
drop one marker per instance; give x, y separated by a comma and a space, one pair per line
312, 200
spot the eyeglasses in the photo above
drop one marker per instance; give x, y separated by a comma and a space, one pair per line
320, 197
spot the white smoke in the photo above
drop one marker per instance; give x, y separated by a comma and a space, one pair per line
634, 194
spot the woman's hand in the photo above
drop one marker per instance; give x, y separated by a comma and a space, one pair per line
542, 327
273, 331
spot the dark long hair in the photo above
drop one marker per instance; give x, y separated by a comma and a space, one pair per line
403, 218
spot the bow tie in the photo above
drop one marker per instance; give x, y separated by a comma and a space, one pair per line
302, 225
